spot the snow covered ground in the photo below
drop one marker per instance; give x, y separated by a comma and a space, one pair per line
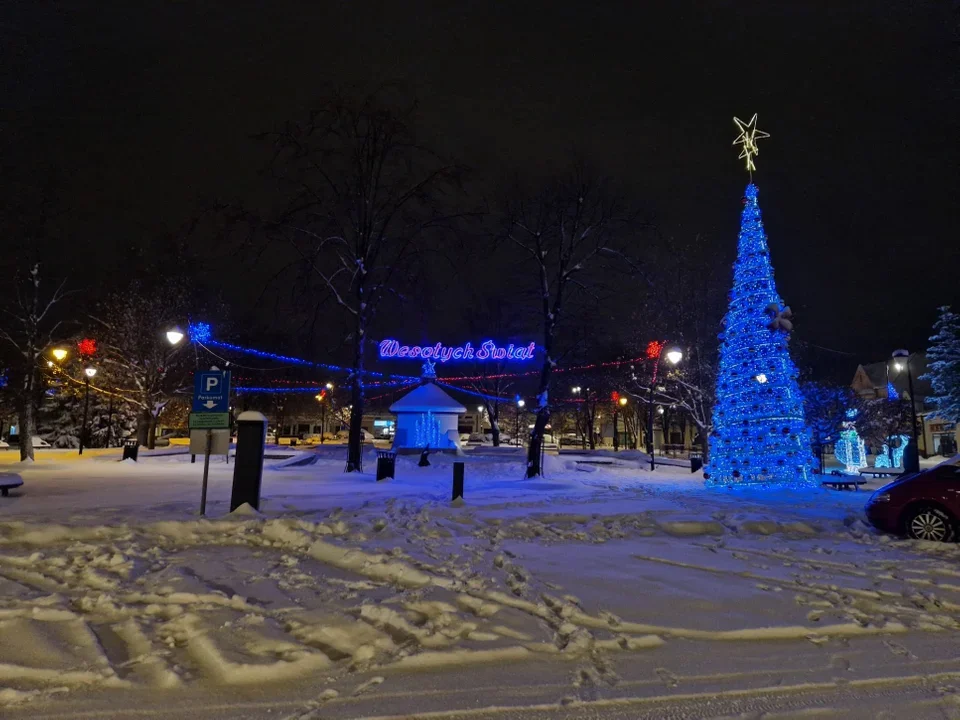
601, 591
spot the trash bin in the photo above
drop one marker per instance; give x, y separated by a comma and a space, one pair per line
130, 449
248, 463
696, 461
457, 480
386, 464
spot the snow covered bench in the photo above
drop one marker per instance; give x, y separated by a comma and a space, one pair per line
9, 481
880, 473
844, 483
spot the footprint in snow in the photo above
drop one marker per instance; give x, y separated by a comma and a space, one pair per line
667, 677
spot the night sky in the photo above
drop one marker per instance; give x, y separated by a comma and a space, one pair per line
137, 112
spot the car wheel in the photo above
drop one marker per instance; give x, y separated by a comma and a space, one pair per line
930, 523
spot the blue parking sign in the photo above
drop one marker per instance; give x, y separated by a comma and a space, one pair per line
211, 392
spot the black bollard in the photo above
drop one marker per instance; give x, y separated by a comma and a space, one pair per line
423, 457
248, 463
457, 480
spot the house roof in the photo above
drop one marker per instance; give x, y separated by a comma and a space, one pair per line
876, 375
427, 398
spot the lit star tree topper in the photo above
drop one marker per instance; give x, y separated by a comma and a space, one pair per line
749, 134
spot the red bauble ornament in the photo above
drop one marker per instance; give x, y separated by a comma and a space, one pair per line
87, 347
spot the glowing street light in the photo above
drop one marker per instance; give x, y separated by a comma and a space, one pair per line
674, 356
321, 396
621, 401
174, 336
901, 361
59, 354
329, 386
89, 372
520, 405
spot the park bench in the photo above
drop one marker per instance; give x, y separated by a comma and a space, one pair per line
8, 481
873, 472
844, 483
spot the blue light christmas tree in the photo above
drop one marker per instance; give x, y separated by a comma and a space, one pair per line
759, 433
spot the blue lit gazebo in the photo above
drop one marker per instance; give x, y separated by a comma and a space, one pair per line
427, 416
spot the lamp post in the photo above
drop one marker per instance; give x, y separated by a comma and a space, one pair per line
674, 356
321, 396
911, 459
619, 402
583, 439
89, 373
520, 403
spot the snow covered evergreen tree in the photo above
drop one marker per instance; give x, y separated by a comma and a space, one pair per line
943, 362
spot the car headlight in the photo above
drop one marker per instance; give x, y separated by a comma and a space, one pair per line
879, 498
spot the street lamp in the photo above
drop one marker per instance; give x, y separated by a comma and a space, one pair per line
59, 354
674, 356
619, 403
520, 403
911, 459
89, 373
174, 335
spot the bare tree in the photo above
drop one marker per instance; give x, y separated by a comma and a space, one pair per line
359, 193
135, 356
883, 419
564, 232
31, 329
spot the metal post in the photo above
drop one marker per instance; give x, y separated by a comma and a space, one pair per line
616, 440
323, 420
650, 421
457, 480
110, 423
915, 455
517, 433
206, 474
86, 407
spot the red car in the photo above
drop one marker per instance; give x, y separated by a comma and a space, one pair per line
924, 505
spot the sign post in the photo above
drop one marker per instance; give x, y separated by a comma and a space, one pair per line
211, 405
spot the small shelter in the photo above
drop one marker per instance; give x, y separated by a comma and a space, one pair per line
427, 416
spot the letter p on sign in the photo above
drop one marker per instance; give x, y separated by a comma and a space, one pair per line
211, 382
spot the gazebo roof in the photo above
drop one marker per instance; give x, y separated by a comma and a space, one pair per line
427, 398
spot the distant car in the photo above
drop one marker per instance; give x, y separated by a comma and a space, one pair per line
924, 505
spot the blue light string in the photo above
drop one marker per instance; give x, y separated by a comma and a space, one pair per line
200, 333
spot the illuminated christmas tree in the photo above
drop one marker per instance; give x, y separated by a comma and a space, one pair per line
760, 435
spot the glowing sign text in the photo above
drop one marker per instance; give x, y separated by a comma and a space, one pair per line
444, 353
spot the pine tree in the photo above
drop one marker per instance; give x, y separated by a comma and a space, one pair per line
943, 361
760, 434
